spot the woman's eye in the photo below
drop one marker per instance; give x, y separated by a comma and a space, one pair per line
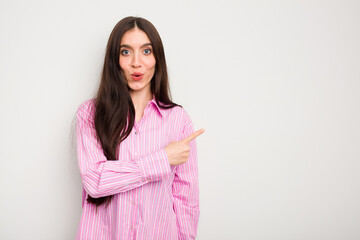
125, 52
147, 51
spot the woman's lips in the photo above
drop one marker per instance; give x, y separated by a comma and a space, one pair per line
137, 76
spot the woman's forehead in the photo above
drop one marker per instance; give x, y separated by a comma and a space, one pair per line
135, 37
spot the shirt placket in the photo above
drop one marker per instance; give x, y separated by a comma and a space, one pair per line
138, 134
135, 196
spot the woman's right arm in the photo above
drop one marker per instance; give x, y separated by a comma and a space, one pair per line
103, 178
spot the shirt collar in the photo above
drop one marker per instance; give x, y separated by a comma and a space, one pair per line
160, 110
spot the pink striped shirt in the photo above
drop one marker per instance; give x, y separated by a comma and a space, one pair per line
152, 200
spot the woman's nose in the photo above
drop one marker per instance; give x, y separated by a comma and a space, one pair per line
136, 61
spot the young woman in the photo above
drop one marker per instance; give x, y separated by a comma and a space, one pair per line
136, 148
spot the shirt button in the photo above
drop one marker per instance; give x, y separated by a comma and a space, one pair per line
135, 154
136, 133
133, 203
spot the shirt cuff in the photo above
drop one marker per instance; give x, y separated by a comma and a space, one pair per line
155, 166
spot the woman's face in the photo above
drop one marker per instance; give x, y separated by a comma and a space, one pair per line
137, 60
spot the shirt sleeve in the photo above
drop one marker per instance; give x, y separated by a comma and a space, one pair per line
103, 178
185, 190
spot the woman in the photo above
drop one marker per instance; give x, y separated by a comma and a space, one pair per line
136, 149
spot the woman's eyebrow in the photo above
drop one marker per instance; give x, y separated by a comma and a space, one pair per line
128, 46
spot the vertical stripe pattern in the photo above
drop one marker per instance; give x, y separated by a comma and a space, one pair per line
152, 200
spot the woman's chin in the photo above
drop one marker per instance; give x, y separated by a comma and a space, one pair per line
139, 87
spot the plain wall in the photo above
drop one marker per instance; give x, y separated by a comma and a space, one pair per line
276, 85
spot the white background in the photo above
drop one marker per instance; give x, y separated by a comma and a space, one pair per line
276, 85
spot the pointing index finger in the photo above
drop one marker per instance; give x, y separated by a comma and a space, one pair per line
194, 135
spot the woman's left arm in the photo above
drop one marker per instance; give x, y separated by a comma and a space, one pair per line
185, 190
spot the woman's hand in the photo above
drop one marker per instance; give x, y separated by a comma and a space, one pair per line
179, 152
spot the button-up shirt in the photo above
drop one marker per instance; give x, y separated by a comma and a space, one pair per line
152, 200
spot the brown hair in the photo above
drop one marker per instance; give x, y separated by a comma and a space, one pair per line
115, 113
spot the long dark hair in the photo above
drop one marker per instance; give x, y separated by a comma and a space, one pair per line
115, 113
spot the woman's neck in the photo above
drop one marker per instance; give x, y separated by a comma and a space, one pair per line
140, 100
